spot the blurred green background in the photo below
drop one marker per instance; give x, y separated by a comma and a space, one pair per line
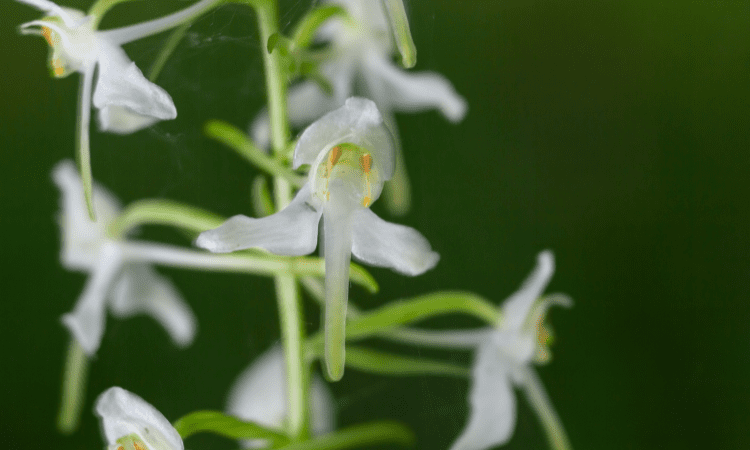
614, 133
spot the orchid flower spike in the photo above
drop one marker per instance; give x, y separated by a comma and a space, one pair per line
505, 357
124, 287
259, 395
350, 153
125, 99
130, 423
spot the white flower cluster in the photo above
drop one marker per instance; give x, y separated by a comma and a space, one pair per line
350, 150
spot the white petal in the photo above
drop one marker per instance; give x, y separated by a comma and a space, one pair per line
384, 244
120, 120
86, 322
140, 290
126, 100
337, 228
120, 36
49, 7
358, 122
123, 413
81, 238
259, 395
411, 92
291, 231
517, 307
492, 405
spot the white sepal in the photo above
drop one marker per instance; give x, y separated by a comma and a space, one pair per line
124, 414
492, 405
292, 231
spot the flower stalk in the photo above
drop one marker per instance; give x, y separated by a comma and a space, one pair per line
292, 322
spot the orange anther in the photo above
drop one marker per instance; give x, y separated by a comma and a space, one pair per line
58, 68
48, 36
365, 161
138, 446
366, 201
333, 158
121, 448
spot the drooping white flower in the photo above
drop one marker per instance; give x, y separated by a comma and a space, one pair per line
504, 358
259, 395
131, 423
360, 64
116, 283
350, 153
125, 99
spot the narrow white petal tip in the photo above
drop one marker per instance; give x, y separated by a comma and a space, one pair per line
563, 300
51, 8
64, 174
545, 264
207, 240
455, 108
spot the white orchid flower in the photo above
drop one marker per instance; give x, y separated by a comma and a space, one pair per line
117, 281
504, 358
360, 63
259, 395
350, 153
131, 423
125, 99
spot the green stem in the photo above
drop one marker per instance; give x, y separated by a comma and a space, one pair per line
292, 322
359, 436
163, 212
296, 366
73, 388
275, 79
